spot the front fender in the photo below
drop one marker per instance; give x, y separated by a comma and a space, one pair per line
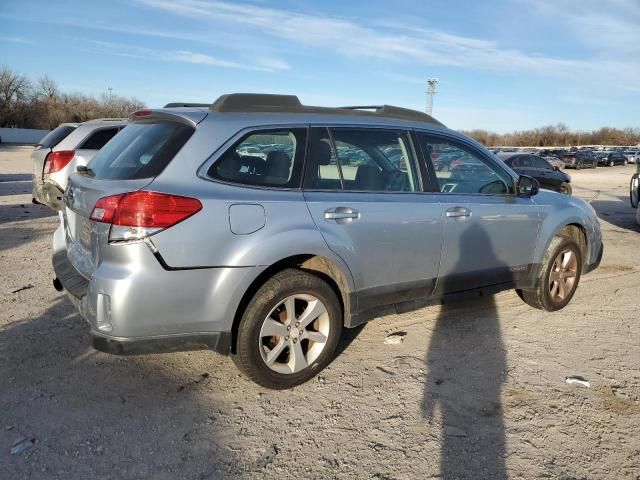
558, 211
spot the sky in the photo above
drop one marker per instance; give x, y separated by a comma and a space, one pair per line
503, 65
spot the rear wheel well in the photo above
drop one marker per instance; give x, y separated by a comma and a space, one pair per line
317, 265
577, 234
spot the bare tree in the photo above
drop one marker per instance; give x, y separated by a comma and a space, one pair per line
15, 91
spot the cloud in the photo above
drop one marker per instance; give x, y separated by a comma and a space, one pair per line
609, 26
403, 44
16, 40
186, 56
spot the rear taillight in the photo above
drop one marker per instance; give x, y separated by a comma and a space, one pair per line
137, 215
56, 161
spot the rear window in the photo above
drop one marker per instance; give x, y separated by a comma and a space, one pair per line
140, 150
56, 135
99, 138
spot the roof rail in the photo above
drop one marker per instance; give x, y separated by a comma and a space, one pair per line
396, 112
184, 104
269, 103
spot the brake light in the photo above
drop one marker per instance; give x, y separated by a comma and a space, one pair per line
139, 214
145, 112
56, 161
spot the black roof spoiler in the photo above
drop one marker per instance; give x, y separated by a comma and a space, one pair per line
269, 103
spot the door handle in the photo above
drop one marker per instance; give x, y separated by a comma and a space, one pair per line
458, 212
341, 214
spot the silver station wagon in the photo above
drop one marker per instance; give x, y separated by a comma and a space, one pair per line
260, 227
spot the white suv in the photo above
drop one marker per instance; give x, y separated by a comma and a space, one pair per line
62, 150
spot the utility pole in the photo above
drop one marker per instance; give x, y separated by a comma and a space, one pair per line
109, 95
432, 89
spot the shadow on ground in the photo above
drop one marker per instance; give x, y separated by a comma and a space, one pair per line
97, 416
466, 361
618, 213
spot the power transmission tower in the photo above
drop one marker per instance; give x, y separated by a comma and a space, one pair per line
432, 89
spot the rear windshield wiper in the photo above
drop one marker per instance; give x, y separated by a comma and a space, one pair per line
86, 170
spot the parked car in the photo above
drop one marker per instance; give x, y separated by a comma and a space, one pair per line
169, 243
632, 156
612, 158
251, 150
62, 150
553, 160
579, 159
550, 177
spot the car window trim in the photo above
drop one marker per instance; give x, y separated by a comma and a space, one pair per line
474, 150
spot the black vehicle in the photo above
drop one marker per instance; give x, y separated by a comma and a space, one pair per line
610, 159
537, 167
580, 159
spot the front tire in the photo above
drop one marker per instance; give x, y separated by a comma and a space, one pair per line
565, 188
289, 331
634, 190
559, 276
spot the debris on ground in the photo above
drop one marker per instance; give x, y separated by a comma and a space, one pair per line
266, 458
396, 338
577, 380
22, 445
24, 287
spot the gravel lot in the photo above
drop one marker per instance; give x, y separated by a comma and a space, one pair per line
474, 390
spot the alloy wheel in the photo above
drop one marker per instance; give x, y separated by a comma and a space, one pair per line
294, 333
562, 278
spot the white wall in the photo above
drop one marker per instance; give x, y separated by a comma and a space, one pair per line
22, 135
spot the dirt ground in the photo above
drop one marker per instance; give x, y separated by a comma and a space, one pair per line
474, 390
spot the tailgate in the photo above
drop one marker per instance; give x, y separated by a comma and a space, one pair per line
83, 236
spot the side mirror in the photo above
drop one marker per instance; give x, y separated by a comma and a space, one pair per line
527, 186
555, 168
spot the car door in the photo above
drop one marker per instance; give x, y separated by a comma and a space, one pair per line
373, 213
544, 173
489, 233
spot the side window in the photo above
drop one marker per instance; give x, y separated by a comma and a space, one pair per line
460, 170
372, 160
99, 138
269, 158
525, 161
322, 171
541, 164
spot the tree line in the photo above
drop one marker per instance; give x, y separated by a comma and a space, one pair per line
25, 103
557, 136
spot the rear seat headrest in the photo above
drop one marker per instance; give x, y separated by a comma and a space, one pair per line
278, 164
321, 153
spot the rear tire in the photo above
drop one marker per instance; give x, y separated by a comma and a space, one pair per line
275, 346
558, 278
